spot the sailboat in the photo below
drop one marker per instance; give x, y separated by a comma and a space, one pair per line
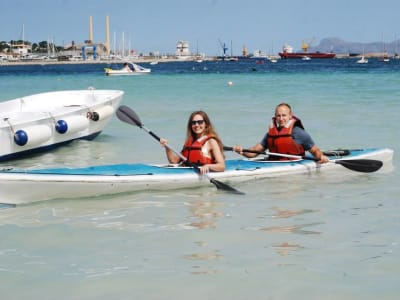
232, 58
385, 57
199, 58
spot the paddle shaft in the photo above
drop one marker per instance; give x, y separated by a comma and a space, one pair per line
359, 165
171, 148
273, 154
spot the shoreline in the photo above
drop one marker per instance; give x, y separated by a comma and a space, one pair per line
146, 60
162, 60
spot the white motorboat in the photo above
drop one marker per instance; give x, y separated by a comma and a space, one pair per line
42, 121
128, 69
362, 60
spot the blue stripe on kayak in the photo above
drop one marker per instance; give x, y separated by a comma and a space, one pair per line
118, 169
143, 169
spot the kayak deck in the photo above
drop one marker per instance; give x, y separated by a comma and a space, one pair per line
146, 169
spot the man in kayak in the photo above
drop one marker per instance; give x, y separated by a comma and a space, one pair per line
286, 135
202, 146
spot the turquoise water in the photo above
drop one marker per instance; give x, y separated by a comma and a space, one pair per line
331, 236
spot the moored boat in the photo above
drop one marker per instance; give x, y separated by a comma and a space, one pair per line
288, 52
362, 60
306, 54
40, 122
19, 186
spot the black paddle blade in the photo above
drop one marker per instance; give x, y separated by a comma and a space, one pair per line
223, 186
361, 165
126, 114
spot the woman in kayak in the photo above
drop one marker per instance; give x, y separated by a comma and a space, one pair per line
202, 146
286, 135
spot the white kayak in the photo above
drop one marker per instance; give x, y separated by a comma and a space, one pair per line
42, 121
19, 186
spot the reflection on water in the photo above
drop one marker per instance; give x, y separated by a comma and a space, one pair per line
285, 248
288, 248
297, 229
203, 262
214, 255
287, 213
205, 213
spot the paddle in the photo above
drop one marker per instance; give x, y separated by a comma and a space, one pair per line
359, 165
126, 114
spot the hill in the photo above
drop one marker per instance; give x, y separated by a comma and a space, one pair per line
340, 46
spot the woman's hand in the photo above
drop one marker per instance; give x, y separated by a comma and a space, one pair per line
163, 142
204, 169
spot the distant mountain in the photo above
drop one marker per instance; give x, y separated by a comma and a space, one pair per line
339, 46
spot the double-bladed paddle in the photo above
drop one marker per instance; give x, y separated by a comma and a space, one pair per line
127, 115
359, 165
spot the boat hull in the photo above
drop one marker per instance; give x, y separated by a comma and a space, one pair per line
111, 72
134, 69
32, 185
287, 55
41, 122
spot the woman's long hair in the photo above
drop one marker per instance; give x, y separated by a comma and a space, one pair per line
209, 130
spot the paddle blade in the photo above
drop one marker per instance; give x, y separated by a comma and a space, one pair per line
126, 114
361, 165
223, 186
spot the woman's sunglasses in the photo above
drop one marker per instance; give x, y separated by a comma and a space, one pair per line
194, 122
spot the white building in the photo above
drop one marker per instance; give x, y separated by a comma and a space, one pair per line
182, 49
21, 49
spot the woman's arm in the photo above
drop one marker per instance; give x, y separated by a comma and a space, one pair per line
172, 157
216, 152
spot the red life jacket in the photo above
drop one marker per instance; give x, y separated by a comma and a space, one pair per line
281, 141
195, 151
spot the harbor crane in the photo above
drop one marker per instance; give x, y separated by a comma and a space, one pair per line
223, 46
306, 44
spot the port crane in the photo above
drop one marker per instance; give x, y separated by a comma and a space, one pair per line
223, 46
306, 44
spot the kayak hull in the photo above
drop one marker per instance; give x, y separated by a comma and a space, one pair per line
31, 185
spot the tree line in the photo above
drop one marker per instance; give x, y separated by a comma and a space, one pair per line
41, 47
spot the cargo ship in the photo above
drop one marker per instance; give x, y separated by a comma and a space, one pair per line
287, 52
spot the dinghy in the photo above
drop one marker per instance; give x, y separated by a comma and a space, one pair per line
42, 121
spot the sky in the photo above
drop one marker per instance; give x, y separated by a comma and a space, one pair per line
157, 25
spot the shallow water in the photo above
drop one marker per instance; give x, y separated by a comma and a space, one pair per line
331, 236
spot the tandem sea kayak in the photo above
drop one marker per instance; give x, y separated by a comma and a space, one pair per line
20, 186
